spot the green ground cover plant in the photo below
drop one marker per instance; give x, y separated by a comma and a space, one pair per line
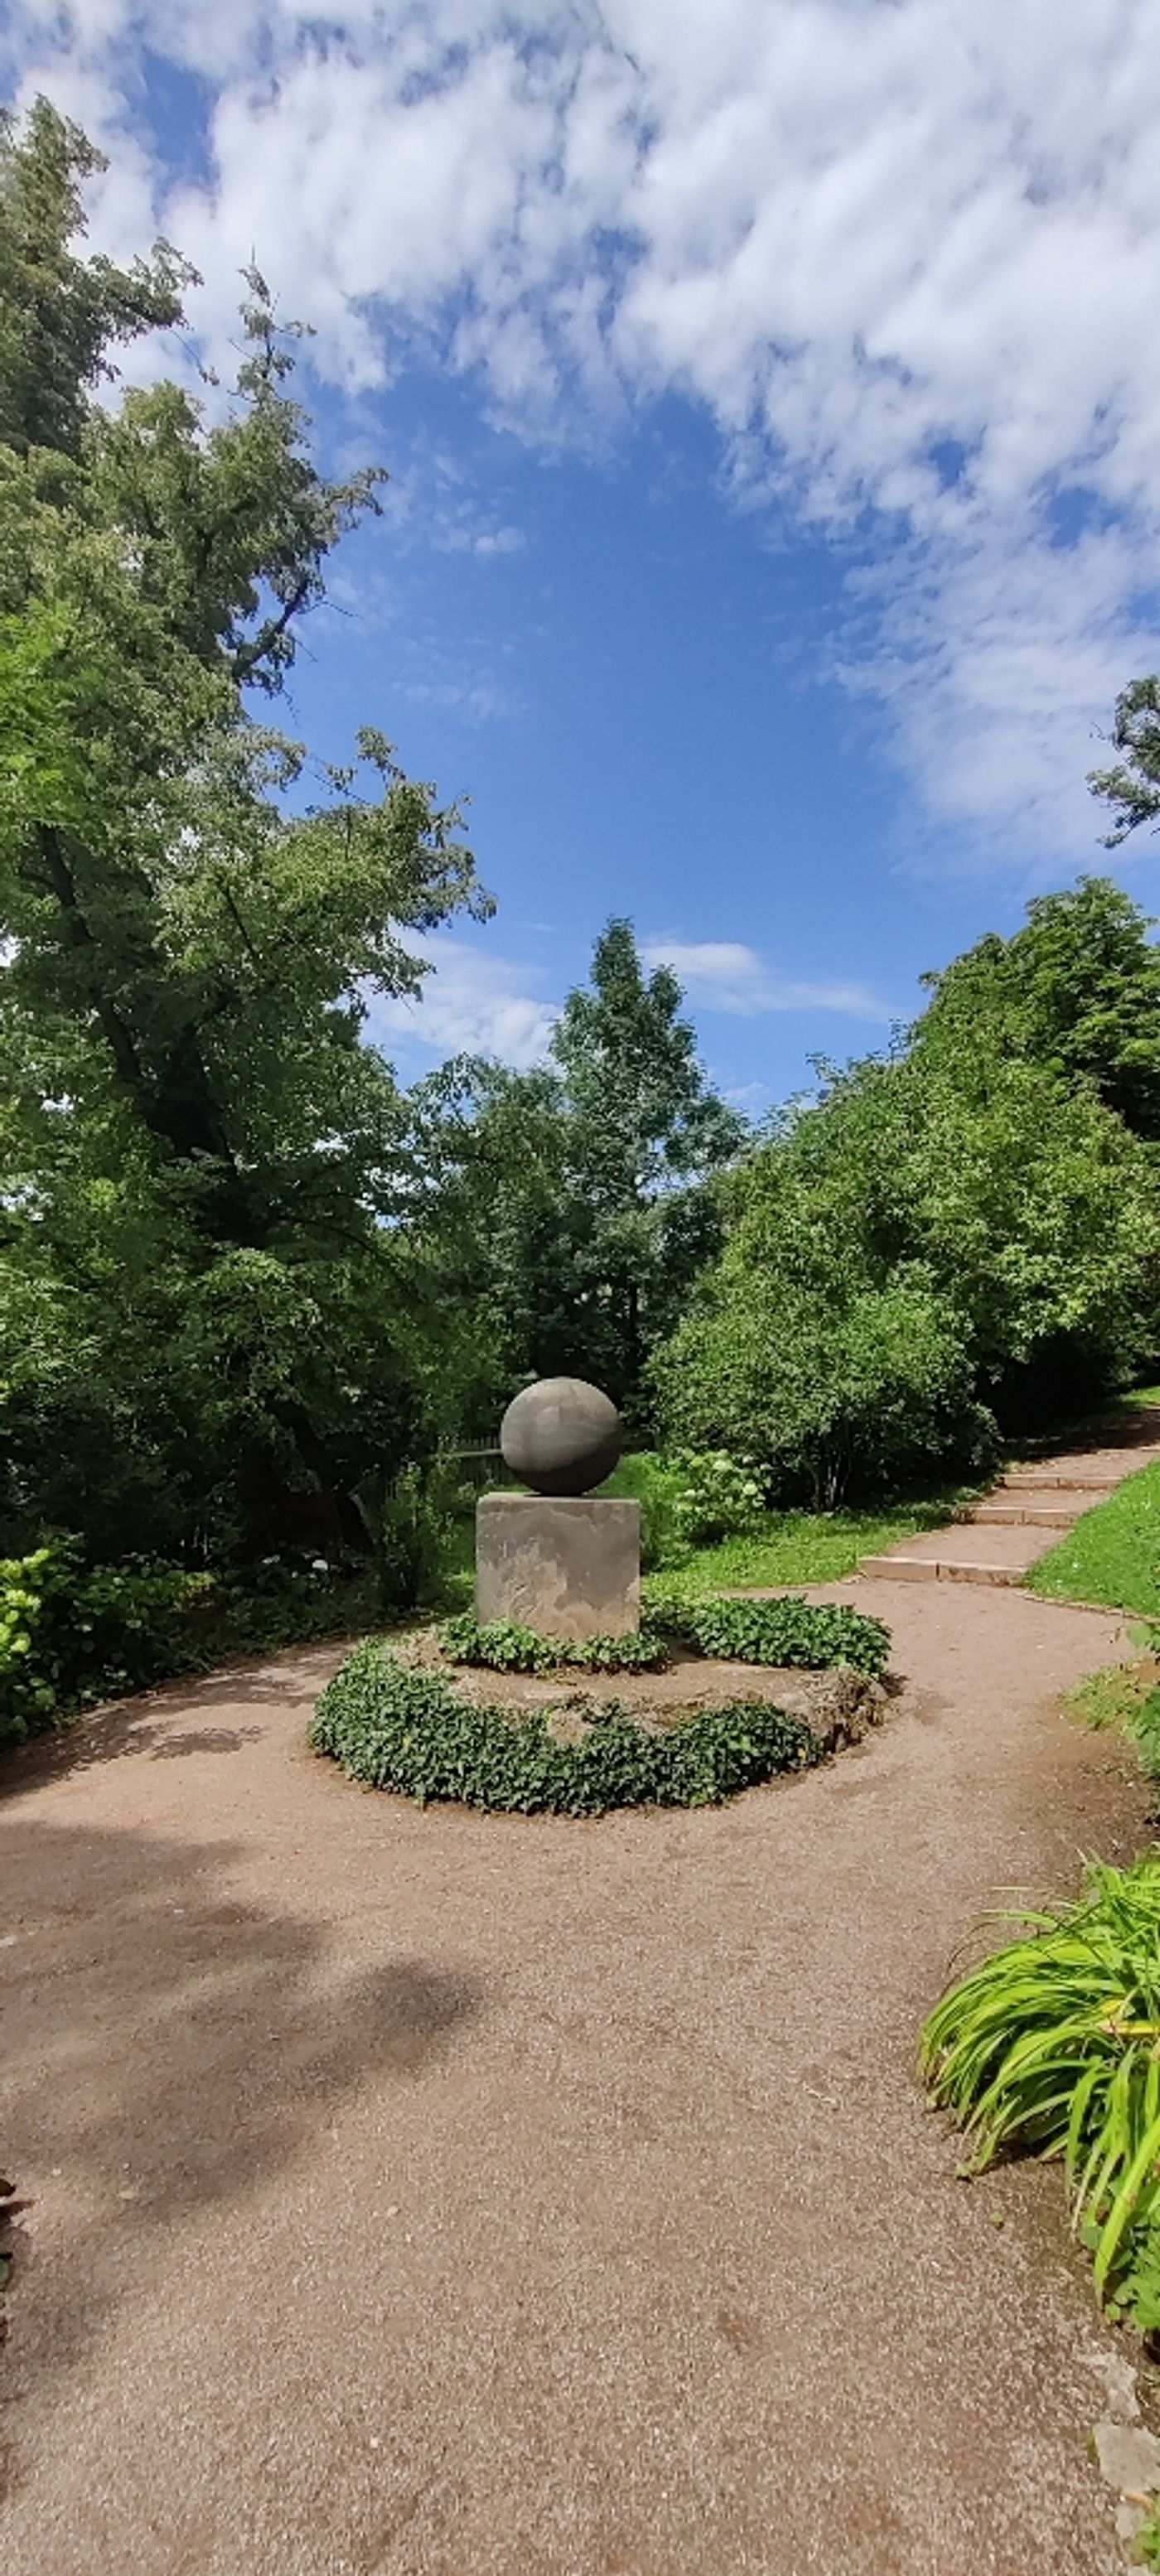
1052, 2047
408, 1731
1112, 1553
504, 1646
785, 1631
1146, 2546
1127, 1697
812, 1635
811, 1547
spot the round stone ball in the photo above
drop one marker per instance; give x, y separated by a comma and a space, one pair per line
561, 1436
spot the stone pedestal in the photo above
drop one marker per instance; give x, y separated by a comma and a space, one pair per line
566, 1565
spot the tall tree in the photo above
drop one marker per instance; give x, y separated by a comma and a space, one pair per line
645, 1133
1131, 784
1077, 989
192, 944
572, 1206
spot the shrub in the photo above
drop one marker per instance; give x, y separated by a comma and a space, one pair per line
71, 1634
718, 1497
68, 1634
506, 1647
408, 1731
1052, 2046
848, 1387
783, 1631
418, 1518
654, 1482
935, 1233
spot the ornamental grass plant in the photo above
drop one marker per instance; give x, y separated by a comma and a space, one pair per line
1052, 2047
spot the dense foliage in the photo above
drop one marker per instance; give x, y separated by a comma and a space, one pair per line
1077, 991
71, 1634
569, 1209
1052, 2046
953, 1239
505, 1646
400, 1729
204, 1333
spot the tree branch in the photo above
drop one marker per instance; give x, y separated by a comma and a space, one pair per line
120, 1038
249, 655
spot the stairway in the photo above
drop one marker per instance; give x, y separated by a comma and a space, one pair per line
996, 1539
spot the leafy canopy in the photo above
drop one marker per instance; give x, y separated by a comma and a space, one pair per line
202, 1145
572, 1206
962, 1231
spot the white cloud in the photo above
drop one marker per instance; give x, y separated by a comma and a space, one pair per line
908, 257
725, 975
474, 1002
471, 1003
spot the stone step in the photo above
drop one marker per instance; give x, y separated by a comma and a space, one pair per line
1031, 1510
964, 1553
934, 1569
1048, 1480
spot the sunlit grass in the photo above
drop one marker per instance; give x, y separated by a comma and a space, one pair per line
781, 1548
1112, 1553
808, 1547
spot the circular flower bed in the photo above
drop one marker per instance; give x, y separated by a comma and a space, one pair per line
396, 1725
405, 1730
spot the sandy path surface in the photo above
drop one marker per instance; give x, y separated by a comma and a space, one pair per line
460, 2196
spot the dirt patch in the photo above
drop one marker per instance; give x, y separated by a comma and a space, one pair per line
838, 1706
418, 2192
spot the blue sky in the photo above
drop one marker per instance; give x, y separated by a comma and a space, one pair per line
771, 393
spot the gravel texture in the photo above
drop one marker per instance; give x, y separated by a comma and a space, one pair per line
456, 2195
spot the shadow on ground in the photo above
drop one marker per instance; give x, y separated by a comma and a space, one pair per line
147, 1723
175, 2048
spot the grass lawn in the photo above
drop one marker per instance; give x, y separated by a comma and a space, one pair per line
807, 1547
782, 1547
1111, 1553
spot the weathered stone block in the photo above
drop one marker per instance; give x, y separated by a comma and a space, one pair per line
567, 1566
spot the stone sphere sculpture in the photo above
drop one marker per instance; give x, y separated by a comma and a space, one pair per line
561, 1436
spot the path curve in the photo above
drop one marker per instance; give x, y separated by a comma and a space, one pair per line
429, 2194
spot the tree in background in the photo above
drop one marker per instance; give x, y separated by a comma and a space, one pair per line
575, 1204
202, 1317
1131, 785
1077, 989
962, 1236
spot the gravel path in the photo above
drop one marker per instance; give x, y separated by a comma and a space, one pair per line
446, 2195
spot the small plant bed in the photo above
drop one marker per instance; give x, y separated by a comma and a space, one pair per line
504, 1647
815, 1635
396, 1726
712, 1698
1051, 2047
787, 1631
